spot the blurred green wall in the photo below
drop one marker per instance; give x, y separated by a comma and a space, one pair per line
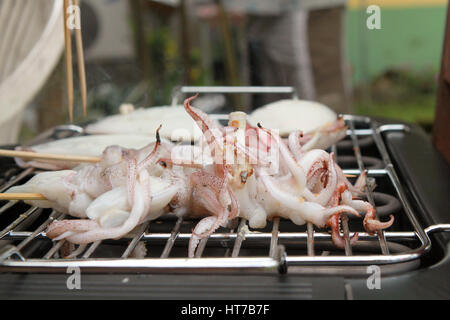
410, 37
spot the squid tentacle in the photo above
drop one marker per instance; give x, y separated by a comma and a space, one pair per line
336, 237
307, 211
372, 225
197, 234
210, 131
295, 145
216, 196
297, 171
153, 156
59, 227
136, 214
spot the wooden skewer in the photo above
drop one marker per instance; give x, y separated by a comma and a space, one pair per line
73, 158
22, 196
48, 156
69, 71
81, 66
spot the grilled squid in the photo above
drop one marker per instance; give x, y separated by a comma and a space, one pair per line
307, 187
112, 196
238, 170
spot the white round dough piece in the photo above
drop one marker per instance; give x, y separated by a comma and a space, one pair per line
176, 123
291, 115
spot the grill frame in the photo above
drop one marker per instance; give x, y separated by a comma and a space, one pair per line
276, 261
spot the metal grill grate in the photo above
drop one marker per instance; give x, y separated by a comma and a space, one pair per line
279, 247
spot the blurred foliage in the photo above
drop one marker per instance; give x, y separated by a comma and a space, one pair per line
166, 65
167, 69
166, 72
108, 97
403, 85
400, 94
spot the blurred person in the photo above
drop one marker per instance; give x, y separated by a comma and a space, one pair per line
293, 43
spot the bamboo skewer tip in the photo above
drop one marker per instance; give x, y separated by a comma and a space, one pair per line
22, 196
69, 61
48, 156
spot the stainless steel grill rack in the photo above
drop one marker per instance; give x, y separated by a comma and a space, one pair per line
280, 247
